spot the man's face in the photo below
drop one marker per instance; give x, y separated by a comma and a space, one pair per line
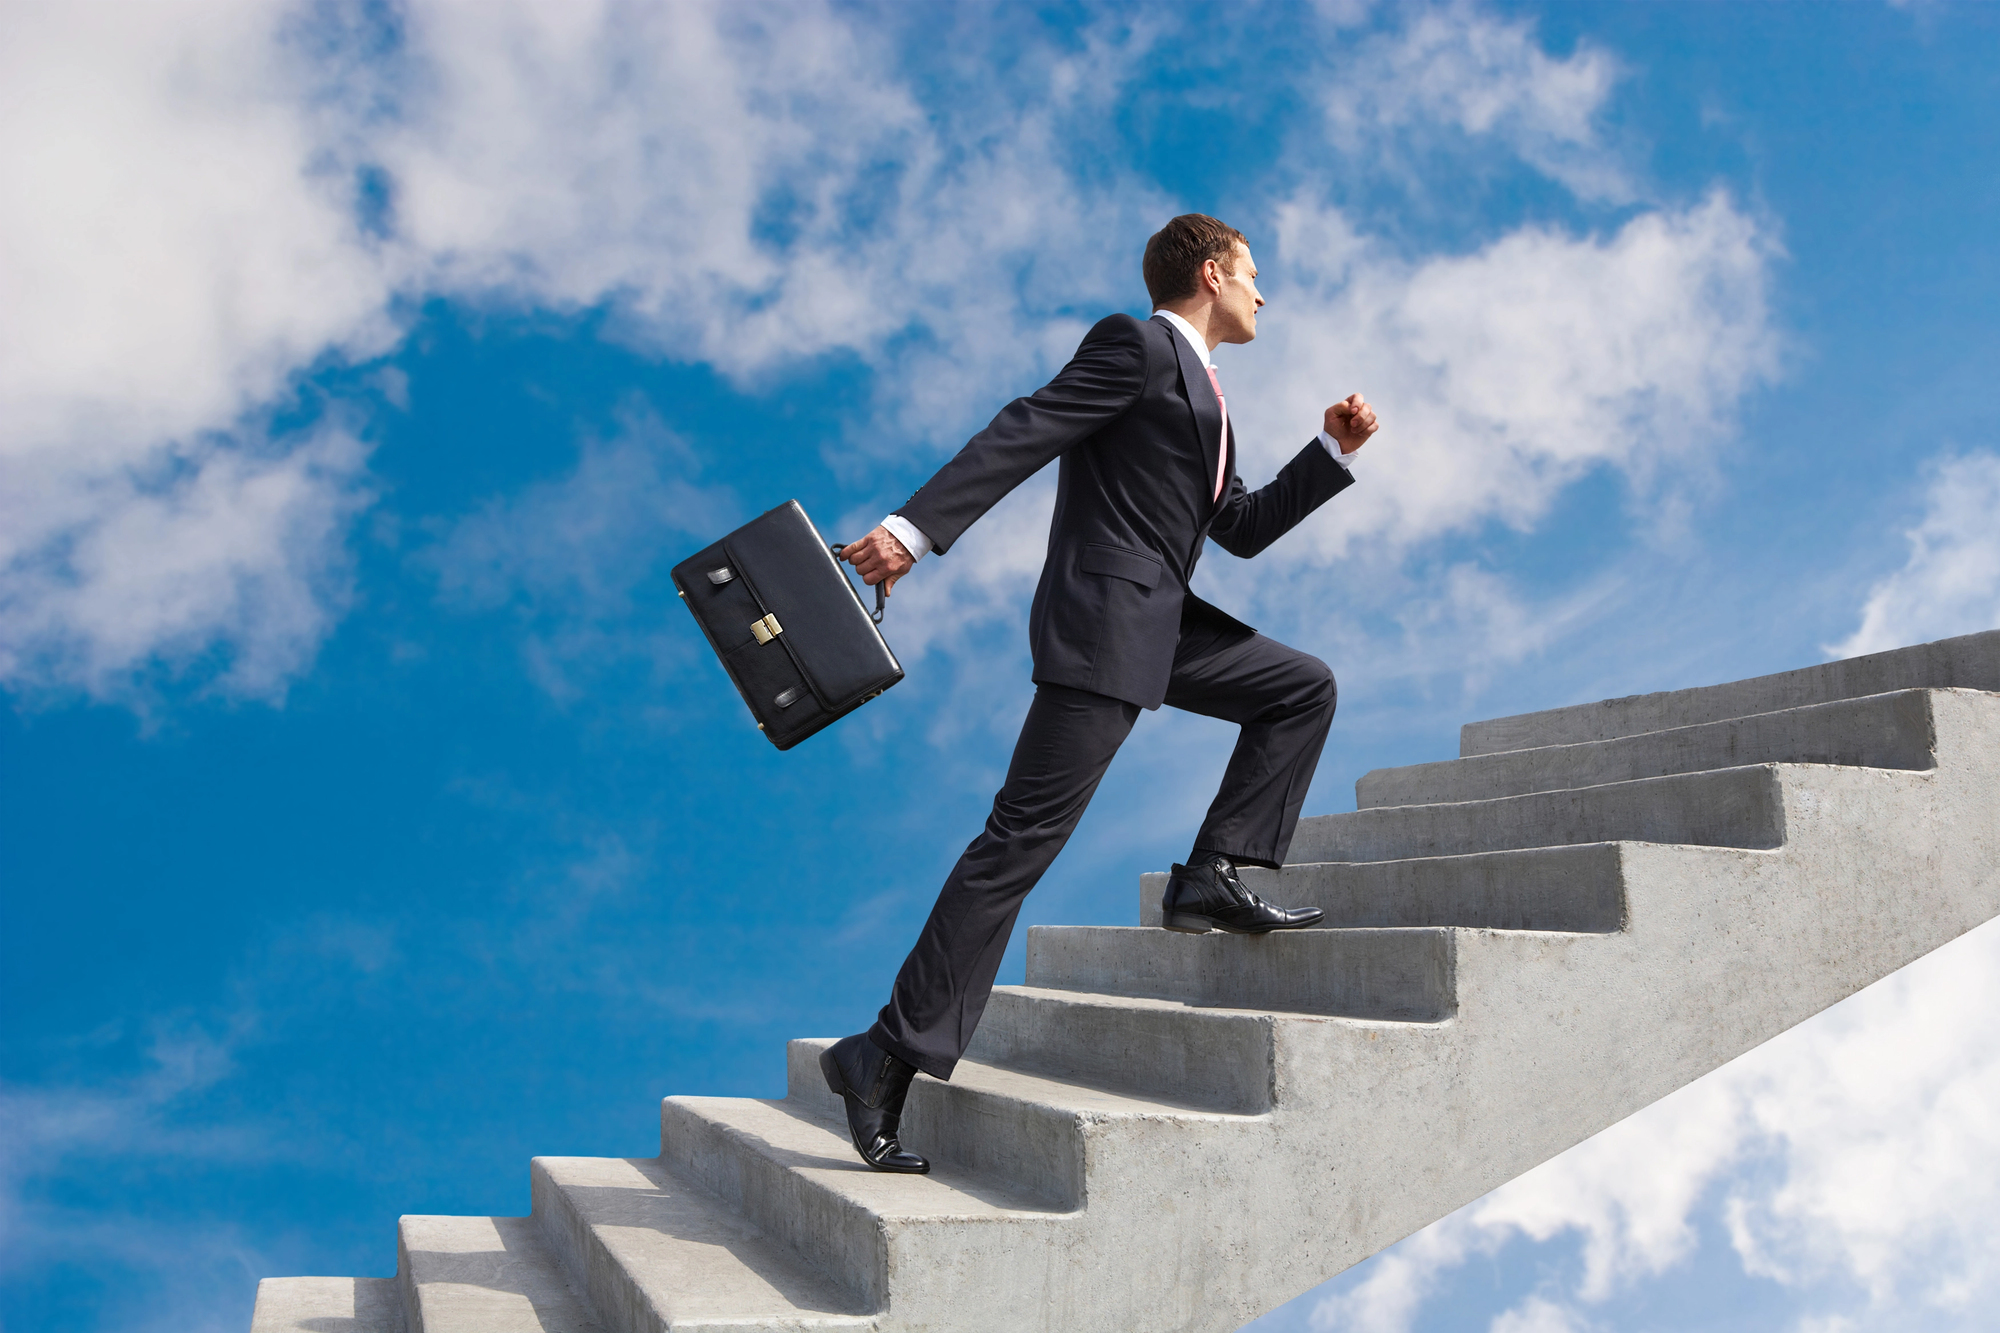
1235, 317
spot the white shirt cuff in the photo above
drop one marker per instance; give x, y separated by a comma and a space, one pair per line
906, 532
1333, 447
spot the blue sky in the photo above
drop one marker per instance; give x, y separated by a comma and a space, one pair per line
374, 818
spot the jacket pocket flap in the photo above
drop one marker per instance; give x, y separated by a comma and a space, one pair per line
1118, 562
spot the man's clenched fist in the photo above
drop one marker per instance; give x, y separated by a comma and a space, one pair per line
1350, 422
878, 556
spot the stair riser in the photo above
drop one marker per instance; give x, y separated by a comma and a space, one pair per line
835, 1236
311, 1304
1737, 807
655, 1252
934, 1265
1400, 975
1212, 1060
1579, 889
484, 1275
607, 1284
1039, 1149
407, 1286
1883, 731
1970, 662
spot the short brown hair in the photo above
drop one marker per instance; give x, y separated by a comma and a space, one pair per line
1178, 250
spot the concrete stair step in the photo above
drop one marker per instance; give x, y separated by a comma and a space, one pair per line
1876, 731
1009, 1124
1218, 1060
485, 1275
795, 1176
322, 1304
1578, 888
655, 1252
1727, 807
1397, 975
1969, 662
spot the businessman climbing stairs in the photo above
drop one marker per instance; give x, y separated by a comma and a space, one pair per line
1592, 907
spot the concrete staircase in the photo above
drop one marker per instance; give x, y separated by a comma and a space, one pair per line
1593, 907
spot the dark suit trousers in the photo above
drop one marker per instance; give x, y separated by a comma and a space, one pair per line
1282, 699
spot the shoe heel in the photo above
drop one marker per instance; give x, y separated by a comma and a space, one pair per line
1185, 924
831, 1072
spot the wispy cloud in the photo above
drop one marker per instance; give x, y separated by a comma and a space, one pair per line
1950, 584
223, 557
566, 557
1458, 70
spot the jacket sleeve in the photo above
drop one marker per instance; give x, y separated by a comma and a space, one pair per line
1100, 382
1252, 520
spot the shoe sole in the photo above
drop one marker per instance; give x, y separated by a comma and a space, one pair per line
835, 1084
1190, 923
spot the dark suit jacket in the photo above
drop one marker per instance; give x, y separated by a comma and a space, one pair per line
1137, 427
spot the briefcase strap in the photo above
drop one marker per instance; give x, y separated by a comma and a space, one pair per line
881, 589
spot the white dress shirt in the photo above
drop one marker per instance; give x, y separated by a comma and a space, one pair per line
919, 545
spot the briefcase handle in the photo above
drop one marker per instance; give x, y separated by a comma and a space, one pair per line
881, 589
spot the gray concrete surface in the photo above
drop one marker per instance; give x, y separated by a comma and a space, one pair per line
328, 1305
1729, 807
1970, 662
491, 1274
1398, 974
1208, 1059
1576, 887
655, 1252
1875, 731
1177, 1133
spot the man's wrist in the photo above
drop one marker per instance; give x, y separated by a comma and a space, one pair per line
1345, 457
915, 544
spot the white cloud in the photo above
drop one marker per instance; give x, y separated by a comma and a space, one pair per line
1504, 375
1951, 582
1538, 1315
1486, 78
219, 542
1858, 1158
752, 188
183, 230
168, 257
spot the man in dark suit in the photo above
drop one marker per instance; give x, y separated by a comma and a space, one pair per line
1147, 475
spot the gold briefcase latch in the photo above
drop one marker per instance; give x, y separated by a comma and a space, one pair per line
765, 630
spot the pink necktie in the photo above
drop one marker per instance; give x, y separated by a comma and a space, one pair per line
1222, 447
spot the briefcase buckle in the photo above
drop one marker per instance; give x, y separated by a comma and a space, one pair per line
765, 630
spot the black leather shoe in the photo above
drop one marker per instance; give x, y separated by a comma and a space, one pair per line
1210, 896
873, 1083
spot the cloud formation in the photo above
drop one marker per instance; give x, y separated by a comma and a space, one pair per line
237, 195
169, 257
565, 556
1511, 372
752, 188
1459, 70
1950, 584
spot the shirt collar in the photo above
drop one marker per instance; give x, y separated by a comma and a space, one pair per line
1194, 339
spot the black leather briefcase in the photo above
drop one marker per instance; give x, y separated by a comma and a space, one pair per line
787, 624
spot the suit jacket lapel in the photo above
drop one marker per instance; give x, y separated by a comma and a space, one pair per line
1201, 398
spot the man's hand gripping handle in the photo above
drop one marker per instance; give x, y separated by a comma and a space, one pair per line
879, 558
